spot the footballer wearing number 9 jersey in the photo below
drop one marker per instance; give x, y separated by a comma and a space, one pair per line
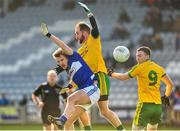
149, 76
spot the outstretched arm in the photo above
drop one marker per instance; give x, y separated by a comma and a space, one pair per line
44, 30
119, 76
95, 30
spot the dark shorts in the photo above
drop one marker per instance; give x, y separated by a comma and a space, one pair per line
46, 112
147, 113
103, 85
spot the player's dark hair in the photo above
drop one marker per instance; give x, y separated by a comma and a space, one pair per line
84, 27
145, 49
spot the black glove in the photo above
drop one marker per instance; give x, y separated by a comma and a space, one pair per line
165, 100
110, 71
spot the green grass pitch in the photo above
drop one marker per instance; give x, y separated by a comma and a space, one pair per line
95, 127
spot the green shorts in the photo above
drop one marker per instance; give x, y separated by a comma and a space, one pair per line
103, 85
147, 113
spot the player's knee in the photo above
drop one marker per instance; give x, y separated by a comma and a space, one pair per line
71, 99
152, 127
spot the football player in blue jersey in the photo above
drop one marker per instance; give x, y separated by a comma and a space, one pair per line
80, 74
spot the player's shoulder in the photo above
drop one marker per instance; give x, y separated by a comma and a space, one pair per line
43, 84
75, 54
157, 65
135, 66
133, 69
91, 38
74, 57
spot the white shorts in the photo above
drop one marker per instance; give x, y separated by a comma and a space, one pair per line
94, 94
177, 107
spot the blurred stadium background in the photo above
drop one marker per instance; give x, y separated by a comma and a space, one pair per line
25, 56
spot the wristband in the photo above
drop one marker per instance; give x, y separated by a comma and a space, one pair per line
48, 35
69, 86
89, 14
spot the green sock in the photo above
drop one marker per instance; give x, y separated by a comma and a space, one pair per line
87, 128
120, 127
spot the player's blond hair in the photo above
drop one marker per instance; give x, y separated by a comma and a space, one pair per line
57, 53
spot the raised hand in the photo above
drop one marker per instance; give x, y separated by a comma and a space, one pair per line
86, 9
44, 30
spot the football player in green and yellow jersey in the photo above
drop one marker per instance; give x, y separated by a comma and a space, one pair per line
149, 76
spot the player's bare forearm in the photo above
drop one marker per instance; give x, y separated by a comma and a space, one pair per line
169, 85
44, 30
61, 44
120, 76
168, 90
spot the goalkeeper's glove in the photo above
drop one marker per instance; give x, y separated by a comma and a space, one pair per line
165, 100
66, 89
110, 71
86, 9
44, 30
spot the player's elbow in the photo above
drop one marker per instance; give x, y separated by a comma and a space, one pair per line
171, 85
32, 96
